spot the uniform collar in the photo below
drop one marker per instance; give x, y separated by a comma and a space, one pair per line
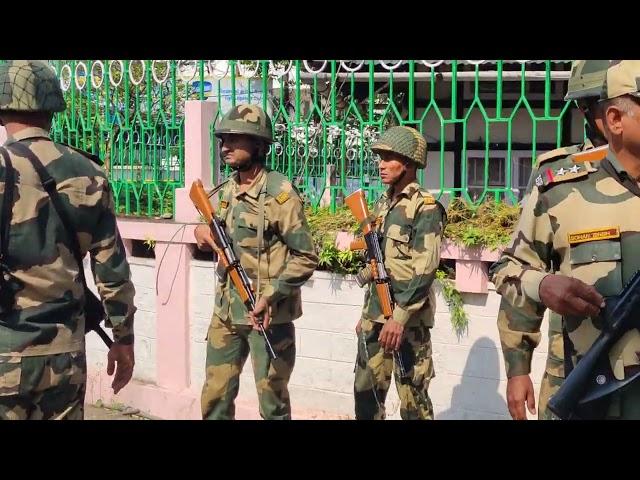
407, 191
256, 186
25, 133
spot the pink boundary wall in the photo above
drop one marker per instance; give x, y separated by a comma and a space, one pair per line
173, 397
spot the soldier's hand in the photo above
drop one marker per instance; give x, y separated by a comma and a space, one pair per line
519, 392
570, 297
359, 327
204, 238
262, 310
121, 359
390, 336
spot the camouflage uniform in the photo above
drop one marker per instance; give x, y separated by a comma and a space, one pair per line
411, 228
600, 248
554, 368
288, 260
42, 346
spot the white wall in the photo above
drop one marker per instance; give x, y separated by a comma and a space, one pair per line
143, 276
470, 377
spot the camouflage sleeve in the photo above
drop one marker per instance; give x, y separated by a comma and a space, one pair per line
517, 276
111, 272
411, 294
302, 259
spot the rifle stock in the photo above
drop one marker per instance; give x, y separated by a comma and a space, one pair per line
200, 199
358, 244
357, 203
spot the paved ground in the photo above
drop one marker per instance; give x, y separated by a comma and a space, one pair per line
243, 412
93, 412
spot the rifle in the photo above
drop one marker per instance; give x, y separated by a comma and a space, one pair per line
375, 269
225, 254
592, 379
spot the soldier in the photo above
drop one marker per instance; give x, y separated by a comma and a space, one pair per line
567, 261
584, 86
411, 223
42, 323
256, 203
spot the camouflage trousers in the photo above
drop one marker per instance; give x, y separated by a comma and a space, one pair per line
374, 368
43, 387
228, 347
548, 387
554, 369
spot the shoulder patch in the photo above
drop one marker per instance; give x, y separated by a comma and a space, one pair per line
282, 197
429, 200
557, 153
277, 183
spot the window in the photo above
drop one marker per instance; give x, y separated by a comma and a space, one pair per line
475, 174
496, 176
521, 174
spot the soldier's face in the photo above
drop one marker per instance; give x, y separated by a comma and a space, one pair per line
391, 167
237, 150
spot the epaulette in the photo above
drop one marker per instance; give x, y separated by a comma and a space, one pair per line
591, 155
279, 187
90, 156
548, 177
557, 153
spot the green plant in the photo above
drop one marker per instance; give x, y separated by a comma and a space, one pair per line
488, 225
324, 227
150, 243
453, 297
332, 259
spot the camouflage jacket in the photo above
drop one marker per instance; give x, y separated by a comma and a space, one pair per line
47, 318
287, 258
411, 230
575, 223
555, 356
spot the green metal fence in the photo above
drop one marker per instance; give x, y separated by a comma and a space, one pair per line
485, 121
131, 113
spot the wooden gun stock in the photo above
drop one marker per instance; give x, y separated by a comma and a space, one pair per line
358, 244
357, 203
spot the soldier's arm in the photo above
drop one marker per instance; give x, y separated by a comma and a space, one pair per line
412, 293
111, 272
302, 259
517, 276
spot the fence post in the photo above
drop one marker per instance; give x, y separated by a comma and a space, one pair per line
197, 157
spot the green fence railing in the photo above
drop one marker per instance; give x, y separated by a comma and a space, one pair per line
485, 121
